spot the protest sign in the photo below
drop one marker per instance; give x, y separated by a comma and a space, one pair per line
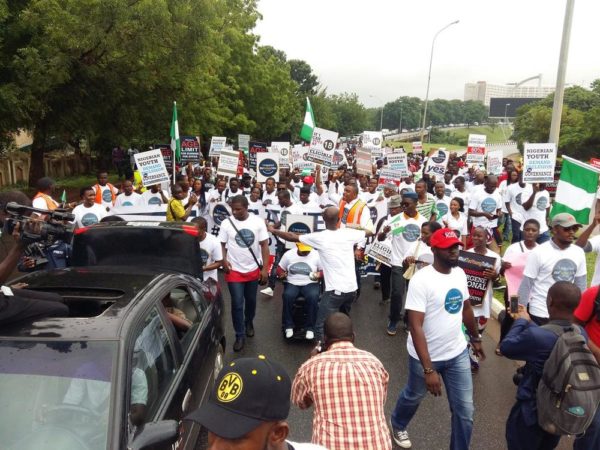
324, 174
364, 165
216, 145
300, 154
595, 162
167, 154
322, 147
381, 251
417, 147
255, 148
190, 149
267, 166
243, 142
228, 163
283, 149
476, 149
152, 167
437, 163
473, 265
494, 162
218, 212
372, 139
299, 224
538, 163
390, 176
398, 162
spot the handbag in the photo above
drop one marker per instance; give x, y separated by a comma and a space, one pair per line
245, 242
412, 268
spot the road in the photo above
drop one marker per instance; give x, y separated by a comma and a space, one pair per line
430, 428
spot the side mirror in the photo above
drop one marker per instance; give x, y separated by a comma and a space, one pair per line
162, 432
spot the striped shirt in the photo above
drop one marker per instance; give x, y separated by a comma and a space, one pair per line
348, 388
428, 208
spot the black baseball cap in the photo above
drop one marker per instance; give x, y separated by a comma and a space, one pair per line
247, 393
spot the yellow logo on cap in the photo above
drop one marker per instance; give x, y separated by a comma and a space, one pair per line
230, 387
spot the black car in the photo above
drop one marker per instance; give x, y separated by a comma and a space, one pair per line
121, 371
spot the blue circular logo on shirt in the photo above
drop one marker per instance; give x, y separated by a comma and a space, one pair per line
489, 205
267, 167
447, 192
106, 196
204, 256
155, 201
564, 270
245, 238
126, 204
89, 219
542, 203
299, 228
453, 302
518, 198
442, 209
299, 268
220, 213
411, 232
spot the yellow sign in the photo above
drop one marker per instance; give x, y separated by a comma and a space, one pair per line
230, 387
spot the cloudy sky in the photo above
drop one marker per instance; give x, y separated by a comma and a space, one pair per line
380, 48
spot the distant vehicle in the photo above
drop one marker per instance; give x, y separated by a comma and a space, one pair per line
385, 131
476, 124
451, 125
404, 130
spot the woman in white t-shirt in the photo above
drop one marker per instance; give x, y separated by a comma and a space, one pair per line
457, 220
255, 204
89, 212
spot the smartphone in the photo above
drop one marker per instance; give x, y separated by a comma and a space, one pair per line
514, 304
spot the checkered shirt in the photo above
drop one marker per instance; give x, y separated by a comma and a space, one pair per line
348, 388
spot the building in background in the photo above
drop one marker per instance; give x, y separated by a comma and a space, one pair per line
483, 91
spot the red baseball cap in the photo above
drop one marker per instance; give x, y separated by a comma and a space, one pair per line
308, 180
444, 238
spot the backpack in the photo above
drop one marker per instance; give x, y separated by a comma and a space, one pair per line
568, 393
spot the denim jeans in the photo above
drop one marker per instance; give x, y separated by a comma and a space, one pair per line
243, 305
386, 281
330, 303
397, 295
310, 292
507, 222
516, 231
279, 251
544, 237
456, 374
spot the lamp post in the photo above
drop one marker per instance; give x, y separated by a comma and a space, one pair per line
505, 117
381, 116
400, 127
429, 76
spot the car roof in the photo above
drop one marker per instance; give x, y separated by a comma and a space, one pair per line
97, 285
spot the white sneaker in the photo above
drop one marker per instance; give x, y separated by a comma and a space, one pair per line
289, 332
310, 335
267, 291
401, 438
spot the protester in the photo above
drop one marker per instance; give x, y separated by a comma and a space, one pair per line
154, 196
514, 196
457, 220
537, 207
592, 246
269, 196
43, 199
419, 253
105, 193
176, 212
89, 212
128, 197
460, 191
210, 251
218, 193
245, 247
442, 201
426, 201
485, 208
348, 388
255, 204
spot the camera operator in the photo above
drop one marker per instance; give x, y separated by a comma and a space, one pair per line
22, 304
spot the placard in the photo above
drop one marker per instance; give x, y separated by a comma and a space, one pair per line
167, 154
244, 142
283, 149
473, 265
417, 147
364, 166
381, 251
322, 147
267, 166
300, 154
494, 162
190, 149
152, 167
255, 148
228, 163
476, 149
299, 224
538, 163
398, 162
372, 139
216, 145
390, 176
437, 162
595, 162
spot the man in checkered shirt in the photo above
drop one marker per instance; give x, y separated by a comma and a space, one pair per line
348, 388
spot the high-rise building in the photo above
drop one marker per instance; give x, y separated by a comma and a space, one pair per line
483, 91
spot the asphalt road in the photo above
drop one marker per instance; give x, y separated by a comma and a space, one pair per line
430, 428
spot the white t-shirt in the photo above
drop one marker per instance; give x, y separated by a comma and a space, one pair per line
257, 208
287, 210
516, 195
404, 231
441, 297
336, 249
443, 206
210, 251
547, 264
134, 199
595, 244
516, 248
460, 225
153, 198
417, 250
466, 197
272, 196
449, 189
541, 202
485, 309
481, 201
253, 230
88, 216
410, 187
40, 203
300, 267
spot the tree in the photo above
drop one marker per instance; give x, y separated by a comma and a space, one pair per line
351, 115
302, 74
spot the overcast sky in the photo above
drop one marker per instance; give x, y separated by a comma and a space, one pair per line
380, 48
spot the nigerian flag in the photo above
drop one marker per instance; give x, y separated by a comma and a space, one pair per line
576, 190
175, 141
309, 123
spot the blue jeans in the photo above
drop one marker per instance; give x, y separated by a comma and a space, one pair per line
397, 295
516, 231
243, 305
310, 292
458, 381
544, 237
330, 303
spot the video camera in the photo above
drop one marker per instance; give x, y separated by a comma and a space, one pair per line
45, 232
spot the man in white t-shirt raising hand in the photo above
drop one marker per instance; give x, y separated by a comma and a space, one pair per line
438, 304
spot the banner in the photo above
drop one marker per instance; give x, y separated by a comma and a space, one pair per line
539, 161
398, 162
381, 251
364, 166
267, 166
494, 162
152, 167
255, 148
390, 176
474, 264
283, 149
417, 147
595, 162
216, 145
476, 149
190, 149
228, 163
299, 224
243, 142
167, 154
299, 155
322, 147
437, 163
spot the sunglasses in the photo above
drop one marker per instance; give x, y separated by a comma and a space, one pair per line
572, 228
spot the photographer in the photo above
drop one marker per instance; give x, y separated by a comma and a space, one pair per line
21, 304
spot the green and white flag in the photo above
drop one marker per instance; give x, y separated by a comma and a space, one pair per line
309, 123
175, 141
576, 189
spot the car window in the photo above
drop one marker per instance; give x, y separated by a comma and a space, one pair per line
183, 313
153, 368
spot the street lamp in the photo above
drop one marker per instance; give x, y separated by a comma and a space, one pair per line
381, 117
429, 77
400, 127
505, 117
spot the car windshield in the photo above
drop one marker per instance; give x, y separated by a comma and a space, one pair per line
55, 395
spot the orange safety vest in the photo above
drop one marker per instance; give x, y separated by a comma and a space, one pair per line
99, 193
50, 203
353, 215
